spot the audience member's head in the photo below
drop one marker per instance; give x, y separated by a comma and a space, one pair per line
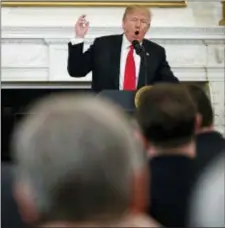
167, 116
77, 163
204, 108
207, 201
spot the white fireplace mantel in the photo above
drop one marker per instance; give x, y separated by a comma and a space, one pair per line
39, 53
67, 32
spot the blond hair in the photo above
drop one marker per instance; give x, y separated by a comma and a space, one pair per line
132, 8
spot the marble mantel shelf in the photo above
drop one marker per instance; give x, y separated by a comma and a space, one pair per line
55, 85
196, 54
66, 32
45, 85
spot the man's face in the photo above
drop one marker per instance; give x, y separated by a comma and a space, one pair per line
137, 21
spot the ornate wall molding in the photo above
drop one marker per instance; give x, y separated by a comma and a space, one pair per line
66, 32
222, 21
166, 4
15, 75
88, 40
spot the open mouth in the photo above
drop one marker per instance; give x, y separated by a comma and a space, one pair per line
136, 33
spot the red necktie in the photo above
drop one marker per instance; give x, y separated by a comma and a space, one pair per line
130, 71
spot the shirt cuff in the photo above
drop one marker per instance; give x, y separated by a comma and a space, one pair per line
76, 41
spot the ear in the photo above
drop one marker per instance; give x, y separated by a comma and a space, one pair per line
140, 192
198, 123
151, 152
23, 197
143, 140
123, 26
140, 138
147, 144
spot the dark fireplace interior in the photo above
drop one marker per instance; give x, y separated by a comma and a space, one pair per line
14, 105
13, 108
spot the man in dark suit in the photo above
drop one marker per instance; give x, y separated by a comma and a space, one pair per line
113, 60
209, 142
167, 117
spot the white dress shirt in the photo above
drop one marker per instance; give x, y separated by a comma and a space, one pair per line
123, 57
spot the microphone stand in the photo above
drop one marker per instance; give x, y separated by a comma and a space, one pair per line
140, 50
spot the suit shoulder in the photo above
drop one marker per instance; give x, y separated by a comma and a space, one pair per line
154, 45
109, 38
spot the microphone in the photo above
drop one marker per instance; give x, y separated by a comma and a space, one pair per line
141, 51
138, 48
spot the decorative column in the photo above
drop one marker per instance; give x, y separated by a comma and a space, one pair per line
222, 21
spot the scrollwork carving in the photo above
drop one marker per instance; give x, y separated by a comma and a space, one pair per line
222, 21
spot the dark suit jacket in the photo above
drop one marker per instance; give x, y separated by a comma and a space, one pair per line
9, 213
208, 146
103, 59
170, 186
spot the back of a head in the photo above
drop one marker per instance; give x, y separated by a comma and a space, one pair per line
203, 104
78, 157
167, 115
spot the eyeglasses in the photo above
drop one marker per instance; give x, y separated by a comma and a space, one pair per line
142, 21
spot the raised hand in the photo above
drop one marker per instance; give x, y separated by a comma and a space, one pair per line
81, 27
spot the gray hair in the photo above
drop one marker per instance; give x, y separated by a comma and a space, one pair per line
207, 204
78, 155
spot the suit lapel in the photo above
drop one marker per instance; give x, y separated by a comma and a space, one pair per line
149, 59
141, 77
115, 60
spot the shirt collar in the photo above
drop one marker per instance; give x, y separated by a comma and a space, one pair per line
126, 43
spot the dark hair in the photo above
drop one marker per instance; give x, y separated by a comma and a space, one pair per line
167, 115
203, 104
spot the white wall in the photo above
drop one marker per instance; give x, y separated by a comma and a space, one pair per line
198, 13
34, 44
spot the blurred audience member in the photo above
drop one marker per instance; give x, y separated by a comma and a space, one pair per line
138, 134
207, 204
209, 142
10, 216
79, 165
167, 117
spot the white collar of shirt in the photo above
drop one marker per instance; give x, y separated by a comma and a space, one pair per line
126, 43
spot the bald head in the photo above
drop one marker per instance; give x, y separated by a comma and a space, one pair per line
78, 156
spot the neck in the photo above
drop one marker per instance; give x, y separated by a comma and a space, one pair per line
205, 130
187, 150
127, 221
131, 40
127, 38
74, 224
